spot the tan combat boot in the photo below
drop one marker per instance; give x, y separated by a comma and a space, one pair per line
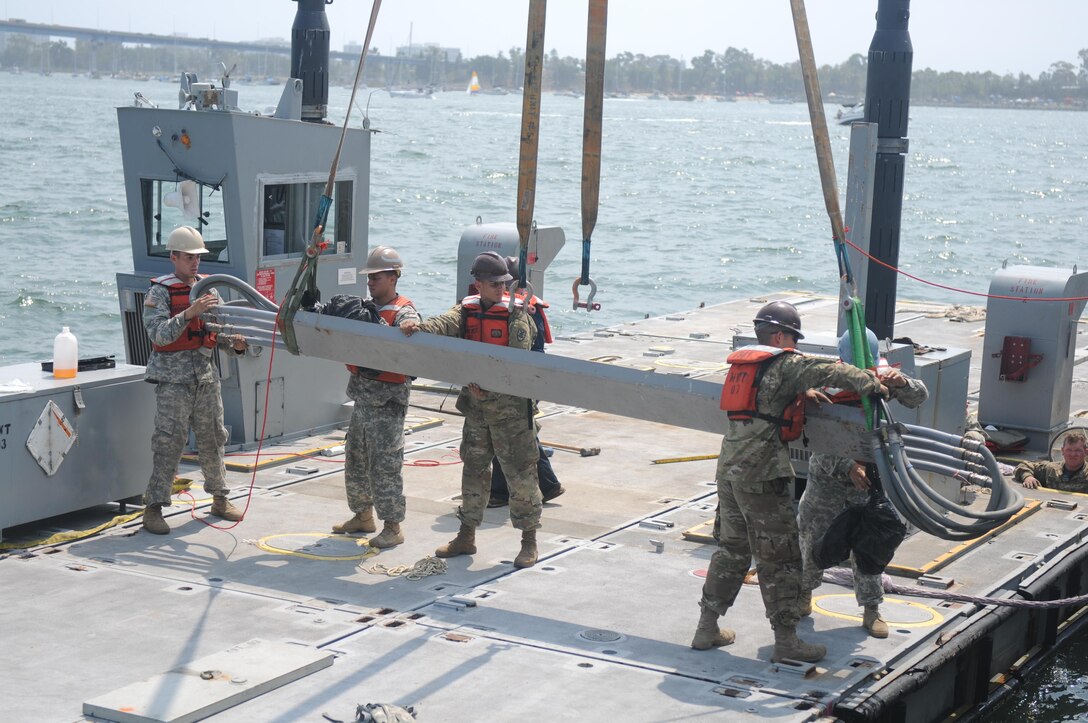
872, 622
390, 536
361, 522
223, 509
463, 544
788, 646
527, 556
708, 635
153, 521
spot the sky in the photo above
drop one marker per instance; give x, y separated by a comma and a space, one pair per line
1003, 36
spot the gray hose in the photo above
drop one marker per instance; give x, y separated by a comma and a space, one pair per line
948, 455
254, 297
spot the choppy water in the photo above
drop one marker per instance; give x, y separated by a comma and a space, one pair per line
700, 202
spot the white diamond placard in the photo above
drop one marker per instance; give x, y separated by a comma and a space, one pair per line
51, 438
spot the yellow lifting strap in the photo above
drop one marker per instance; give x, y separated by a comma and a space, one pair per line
530, 130
591, 143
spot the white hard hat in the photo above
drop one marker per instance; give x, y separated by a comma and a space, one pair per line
382, 258
186, 239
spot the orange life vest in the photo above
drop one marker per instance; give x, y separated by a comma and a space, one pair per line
544, 329
746, 369
195, 335
389, 316
491, 326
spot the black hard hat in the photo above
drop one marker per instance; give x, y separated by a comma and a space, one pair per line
489, 266
512, 265
781, 314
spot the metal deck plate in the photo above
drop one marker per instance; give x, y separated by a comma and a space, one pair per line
212, 684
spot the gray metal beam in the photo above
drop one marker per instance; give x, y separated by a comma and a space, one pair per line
668, 399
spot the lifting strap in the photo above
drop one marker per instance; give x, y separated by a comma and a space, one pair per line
306, 276
591, 142
530, 131
822, 140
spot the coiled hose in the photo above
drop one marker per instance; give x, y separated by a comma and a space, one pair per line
900, 450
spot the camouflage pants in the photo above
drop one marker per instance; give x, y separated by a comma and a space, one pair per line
374, 457
824, 498
757, 519
501, 427
177, 408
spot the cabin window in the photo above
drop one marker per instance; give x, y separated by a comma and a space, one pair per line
289, 212
169, 204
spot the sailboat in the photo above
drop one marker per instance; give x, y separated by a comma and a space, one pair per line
473, 84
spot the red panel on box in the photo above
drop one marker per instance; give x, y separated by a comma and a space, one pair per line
266, 283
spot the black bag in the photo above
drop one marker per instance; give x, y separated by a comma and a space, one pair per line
349, 306
835, 545
871, 531
877, 535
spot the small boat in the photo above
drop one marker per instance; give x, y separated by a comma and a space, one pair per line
412, 93
850, 113
473, 84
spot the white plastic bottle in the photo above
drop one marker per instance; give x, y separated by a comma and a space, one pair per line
65, 354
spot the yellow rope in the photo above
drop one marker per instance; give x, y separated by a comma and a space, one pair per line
71, 535
179, 484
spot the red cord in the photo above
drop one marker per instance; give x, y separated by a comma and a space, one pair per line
962, 291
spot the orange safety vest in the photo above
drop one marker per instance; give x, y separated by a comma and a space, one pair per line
491, 326
195, 335
389, 316
541, 319
746, 369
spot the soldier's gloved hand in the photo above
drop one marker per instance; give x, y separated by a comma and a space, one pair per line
310, 298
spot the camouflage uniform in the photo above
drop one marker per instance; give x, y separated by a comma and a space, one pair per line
187, 394
374, 449
500, 425
753, 476
1054, 475
829, 491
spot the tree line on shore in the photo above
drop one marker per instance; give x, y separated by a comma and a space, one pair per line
733, 72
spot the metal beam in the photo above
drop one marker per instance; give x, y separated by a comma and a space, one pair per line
667, 399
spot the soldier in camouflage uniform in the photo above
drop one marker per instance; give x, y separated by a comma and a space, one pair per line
187, 392
835, 483
496, 425
374, 448
753, 477
1069, 475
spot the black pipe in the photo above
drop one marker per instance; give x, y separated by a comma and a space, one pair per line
310, 57
887, 103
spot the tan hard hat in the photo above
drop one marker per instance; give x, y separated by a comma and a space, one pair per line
383, 258
186, 239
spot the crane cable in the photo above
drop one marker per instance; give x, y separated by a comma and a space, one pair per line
306, 275
591, 143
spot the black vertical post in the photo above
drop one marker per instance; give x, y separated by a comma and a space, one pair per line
310, 57
887, 103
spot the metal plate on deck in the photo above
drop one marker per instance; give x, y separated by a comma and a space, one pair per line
210, 685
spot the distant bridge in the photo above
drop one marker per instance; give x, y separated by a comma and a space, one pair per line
94, 35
